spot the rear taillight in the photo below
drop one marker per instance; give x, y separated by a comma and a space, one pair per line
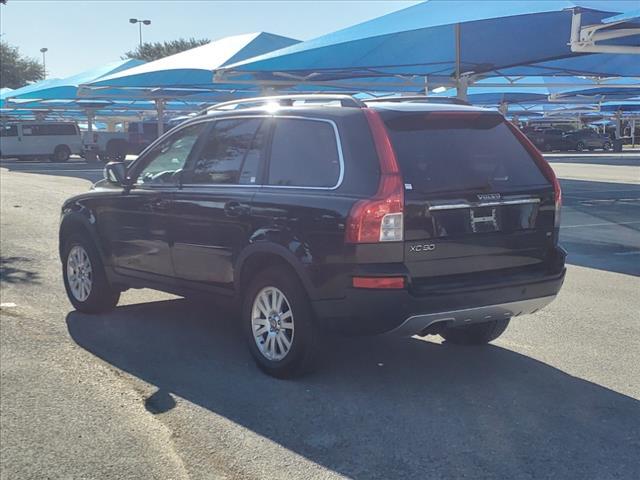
379, 218
543, 165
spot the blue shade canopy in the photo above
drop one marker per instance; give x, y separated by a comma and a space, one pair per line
423, 39
596, 64
185, 73
67, 88
496, 90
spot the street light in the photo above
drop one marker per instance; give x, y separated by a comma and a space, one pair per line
44, 50
140, 22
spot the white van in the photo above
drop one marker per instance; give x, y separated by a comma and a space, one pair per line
36, 139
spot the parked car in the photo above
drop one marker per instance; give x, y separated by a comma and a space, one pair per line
548, 139
142, 134
587, 139
56, 141
107, 146
364, 218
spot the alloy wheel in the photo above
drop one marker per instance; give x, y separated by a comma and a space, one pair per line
272, 323
79, 273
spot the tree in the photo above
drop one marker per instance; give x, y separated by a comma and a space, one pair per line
17, 70
157, 50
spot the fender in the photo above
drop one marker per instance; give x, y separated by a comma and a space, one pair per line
274, 249
75, 215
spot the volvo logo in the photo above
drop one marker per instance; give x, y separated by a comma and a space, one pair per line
427, 247
489, 196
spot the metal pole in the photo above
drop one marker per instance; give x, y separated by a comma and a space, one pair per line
44, 50
461, 83
160, 112
140, 29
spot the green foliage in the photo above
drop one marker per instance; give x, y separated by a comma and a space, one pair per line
16, 70
157, 50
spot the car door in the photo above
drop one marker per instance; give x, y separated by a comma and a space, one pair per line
33, 139
137, 223
9, 139
212, 209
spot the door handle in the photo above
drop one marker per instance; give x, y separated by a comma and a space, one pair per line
235, 209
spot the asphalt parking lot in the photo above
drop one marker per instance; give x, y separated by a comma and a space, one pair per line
164, 388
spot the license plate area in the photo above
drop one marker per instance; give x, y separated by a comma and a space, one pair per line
484, 219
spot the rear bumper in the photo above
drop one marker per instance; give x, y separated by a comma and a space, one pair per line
366, 312
456, 318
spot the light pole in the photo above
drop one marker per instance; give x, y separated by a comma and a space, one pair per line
44, 50
140, 22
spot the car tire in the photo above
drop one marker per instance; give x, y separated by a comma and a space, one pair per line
282, 335
116, 150
606, 147
85, 279
61, 154
580, 146
476, 334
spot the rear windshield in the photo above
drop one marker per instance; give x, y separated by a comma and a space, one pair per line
440, 152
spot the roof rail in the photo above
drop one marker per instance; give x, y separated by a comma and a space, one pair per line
418, 99
286, 100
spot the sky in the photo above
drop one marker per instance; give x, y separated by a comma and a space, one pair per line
82, 34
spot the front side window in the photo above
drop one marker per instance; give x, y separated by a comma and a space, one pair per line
167, 159
304, 153
230, 154
9, 131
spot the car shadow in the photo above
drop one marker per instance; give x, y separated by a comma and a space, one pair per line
379, 407
13, 270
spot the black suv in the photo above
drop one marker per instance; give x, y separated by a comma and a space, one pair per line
322, 212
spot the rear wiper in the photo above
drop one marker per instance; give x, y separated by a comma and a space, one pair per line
481, 186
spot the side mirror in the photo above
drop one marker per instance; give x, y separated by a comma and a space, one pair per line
116, 173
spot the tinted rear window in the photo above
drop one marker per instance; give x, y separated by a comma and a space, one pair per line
304, 153
460, 152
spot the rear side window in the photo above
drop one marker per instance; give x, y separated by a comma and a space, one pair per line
304, 153
59, 129
230, 154
440, 152
49, 129
9, 131
32, 130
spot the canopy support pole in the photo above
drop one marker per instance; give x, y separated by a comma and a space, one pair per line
426, 86
89, 155
462, 81
585, 38
618, 124
160, 113
90, 119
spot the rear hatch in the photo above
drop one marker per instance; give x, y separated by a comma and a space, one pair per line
477, 205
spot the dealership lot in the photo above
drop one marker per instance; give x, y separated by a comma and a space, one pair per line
164, 388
